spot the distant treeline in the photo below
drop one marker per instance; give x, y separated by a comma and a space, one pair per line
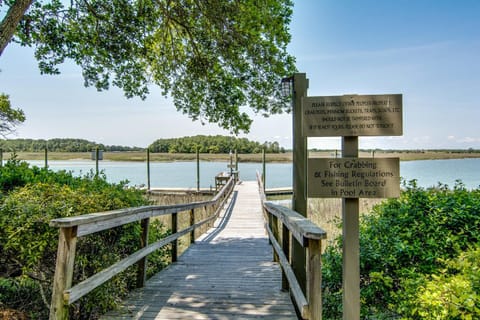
213, 144
205, 144
58, 145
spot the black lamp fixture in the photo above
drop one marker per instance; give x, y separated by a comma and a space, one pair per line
287, 86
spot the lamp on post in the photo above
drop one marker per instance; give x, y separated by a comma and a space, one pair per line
295, 88
287, 86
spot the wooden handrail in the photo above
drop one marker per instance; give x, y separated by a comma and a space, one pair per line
72, 228
309, 236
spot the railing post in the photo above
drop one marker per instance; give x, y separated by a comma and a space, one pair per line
97, 154
46, 157
286, 251
148, 169
206, 214
274, 227
264, 173
62, 281
175, 242
237, 177
198, 169
192, 222
314, 278
142, 264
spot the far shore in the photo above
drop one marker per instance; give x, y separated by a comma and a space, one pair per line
257, 157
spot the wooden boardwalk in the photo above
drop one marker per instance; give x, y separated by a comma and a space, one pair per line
227, 274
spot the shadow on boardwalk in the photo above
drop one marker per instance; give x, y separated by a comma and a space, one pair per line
226, 274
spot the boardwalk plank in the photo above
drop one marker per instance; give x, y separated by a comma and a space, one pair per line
226, 274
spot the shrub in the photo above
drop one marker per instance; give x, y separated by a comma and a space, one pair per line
28, 244
453, 293
403, 243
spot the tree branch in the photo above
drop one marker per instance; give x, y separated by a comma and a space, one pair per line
11, 20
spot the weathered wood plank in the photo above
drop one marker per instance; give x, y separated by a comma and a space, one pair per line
73, 294
314, 278
300, 227
122, 215
67, 242
295, 289
90, 223
142, 263
226, 274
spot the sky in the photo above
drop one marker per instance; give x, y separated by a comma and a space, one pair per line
427, 50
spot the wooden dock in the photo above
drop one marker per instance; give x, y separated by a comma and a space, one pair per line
227, 274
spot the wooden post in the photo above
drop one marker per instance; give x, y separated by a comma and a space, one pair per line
274, 227
198, 169
286, 251
192, 222
207, 225
264, 171
314, 279
148, 168
175, 242
62, 280
46, 157
1, 157
299, 201
236, 160
97, 154
351, 246
142, 263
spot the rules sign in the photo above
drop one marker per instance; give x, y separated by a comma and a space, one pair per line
352, 115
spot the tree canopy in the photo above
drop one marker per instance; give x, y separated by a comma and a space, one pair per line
214, 58
213, 144
9, 117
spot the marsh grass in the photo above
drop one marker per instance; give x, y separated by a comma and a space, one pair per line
327, 212
404, 155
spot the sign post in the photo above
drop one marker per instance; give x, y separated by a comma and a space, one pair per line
351, 243
350, 177
300, 153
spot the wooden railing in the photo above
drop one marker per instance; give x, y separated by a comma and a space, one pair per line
72, 228
310, 237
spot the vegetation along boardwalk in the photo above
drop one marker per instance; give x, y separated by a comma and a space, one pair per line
227, 274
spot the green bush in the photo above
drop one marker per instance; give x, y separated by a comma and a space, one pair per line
454, 293
28, 245
403, 243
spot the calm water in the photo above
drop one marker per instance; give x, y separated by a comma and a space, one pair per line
183, 174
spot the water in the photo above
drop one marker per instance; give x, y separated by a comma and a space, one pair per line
430, 172
183, 174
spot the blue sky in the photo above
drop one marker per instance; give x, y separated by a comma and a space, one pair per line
428, 50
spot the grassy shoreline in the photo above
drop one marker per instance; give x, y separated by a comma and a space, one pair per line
278, 157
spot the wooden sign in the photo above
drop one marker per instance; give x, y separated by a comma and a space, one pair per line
353, 178
352, 115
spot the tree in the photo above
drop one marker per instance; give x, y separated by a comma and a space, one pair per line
11, 20
211, 57
9, 117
